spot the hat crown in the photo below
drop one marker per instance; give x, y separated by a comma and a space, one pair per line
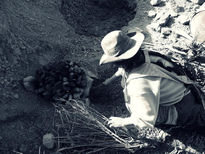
119, 46
115, 42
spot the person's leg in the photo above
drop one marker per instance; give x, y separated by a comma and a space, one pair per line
190, 113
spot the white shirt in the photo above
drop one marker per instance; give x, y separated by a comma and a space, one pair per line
145, 95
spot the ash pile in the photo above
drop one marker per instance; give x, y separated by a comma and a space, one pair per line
62, 80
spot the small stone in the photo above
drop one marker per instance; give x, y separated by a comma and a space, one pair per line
190, 54
48, 140
16, 96
152, 14
179, 9
201, 8
155, 27
1, 137
155, 2
184, 19
198, 1
28, 83
173, 13
181, 45
166, 31
163, 21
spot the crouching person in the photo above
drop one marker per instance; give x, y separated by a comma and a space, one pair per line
156, 91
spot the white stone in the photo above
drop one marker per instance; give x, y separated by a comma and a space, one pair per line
166, 31
152, 14
155, 2
184, 19
48, 140
164, 19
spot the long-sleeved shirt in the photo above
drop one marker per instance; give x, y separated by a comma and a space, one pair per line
145, 95
149, 87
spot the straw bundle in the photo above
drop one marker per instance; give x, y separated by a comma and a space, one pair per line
82, 129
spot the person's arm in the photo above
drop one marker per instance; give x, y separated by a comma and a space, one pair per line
117, 74
143, 103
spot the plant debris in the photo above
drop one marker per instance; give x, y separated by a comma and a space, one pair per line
65, 80
80, 128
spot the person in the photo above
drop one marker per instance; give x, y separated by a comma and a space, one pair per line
156, 91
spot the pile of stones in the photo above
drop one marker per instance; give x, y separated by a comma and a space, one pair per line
171, 34
170, 23
65, 80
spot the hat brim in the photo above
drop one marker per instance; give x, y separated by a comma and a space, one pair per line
138, 37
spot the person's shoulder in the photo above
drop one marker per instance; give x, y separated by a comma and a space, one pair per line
145, 81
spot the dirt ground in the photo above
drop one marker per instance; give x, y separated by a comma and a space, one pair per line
35, 33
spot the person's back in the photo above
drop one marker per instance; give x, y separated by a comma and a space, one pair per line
153, 95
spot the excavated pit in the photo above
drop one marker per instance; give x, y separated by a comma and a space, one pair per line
96, 18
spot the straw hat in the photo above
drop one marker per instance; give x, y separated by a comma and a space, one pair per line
197, 27
118, 46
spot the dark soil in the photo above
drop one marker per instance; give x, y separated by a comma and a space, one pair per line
91, 18
36, 33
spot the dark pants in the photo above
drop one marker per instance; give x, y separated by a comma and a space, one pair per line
190, 112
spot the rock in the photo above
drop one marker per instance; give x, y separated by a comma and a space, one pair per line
173, 13
184, 19
181, 45
155, 27
155, 2
152, 14
198, 1
201, 8
163, 21
1, 137
28, 83
48, 140
190, 54
16, 96
166, 31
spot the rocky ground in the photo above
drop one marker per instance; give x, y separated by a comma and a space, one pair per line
36, 33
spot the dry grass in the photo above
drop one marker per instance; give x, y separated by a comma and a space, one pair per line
82, 129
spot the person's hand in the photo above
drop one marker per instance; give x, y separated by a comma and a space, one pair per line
106, 82
116, 122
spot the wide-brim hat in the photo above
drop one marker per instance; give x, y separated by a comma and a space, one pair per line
117, 46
